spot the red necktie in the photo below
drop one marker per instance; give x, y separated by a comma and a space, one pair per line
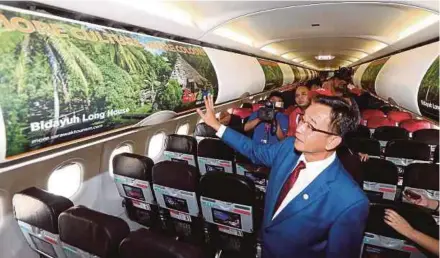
289, 184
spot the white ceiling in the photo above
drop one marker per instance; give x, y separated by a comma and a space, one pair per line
353, 32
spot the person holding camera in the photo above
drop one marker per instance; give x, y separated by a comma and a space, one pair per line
269, 124
313, 208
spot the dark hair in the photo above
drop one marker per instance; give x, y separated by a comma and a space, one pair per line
315, 81
276, 94
344, 116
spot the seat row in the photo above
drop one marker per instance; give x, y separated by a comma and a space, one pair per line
219, 210
373, 118
210, 154
400, 152
55, 228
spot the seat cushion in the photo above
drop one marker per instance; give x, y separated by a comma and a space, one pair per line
91, 231
39, 208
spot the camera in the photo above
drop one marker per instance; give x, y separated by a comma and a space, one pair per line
267, 113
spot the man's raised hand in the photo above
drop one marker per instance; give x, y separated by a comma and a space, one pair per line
209, 115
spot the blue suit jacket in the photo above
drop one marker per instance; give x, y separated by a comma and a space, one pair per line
330, 223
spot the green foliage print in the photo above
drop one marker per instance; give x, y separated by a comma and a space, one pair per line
369, 76
428, 96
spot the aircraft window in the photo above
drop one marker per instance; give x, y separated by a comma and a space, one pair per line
125, 147
156, 145
65, 180
183, 129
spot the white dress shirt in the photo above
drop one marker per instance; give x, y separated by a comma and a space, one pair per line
306, 176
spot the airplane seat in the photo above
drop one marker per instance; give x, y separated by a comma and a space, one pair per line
133, 179
36, 212
86, 233
369, 113
422, 179
436, 154
203, 130
175, 185
181, 148
361, 145
256, 106
231, 214
246, 105
413, 125
351, 162
428, 136
387, 133
215, 155
405, 152
398, 116
242, 112
257, 173
376, 121
360, 132
387, 109
382, 241
380, 179
143, 243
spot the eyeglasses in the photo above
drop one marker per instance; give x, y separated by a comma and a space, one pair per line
313, 129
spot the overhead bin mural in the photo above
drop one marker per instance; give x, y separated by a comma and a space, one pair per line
409, 78
369, 76
61, 79
428, 96
272, 73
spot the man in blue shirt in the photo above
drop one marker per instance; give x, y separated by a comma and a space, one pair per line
263, 132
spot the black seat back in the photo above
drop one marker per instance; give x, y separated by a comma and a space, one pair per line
380, 179
181, 148
175, 185
231, 213
422, 179
388, 133
405, 152
36, 212
215, 155
86, 232
133, 179
428, 136
381, 240
202, 131
361, 132
367, 146
143, 243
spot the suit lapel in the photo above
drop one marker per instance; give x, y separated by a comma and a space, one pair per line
278, 182
312, 193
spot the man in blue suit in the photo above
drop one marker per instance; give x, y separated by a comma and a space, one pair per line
313, 207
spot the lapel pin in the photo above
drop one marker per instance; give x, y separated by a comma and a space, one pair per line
305, 196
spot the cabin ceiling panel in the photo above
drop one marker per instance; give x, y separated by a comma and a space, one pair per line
268, 28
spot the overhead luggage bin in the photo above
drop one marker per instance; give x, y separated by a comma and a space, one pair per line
133, 179
36, 212
86, 233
